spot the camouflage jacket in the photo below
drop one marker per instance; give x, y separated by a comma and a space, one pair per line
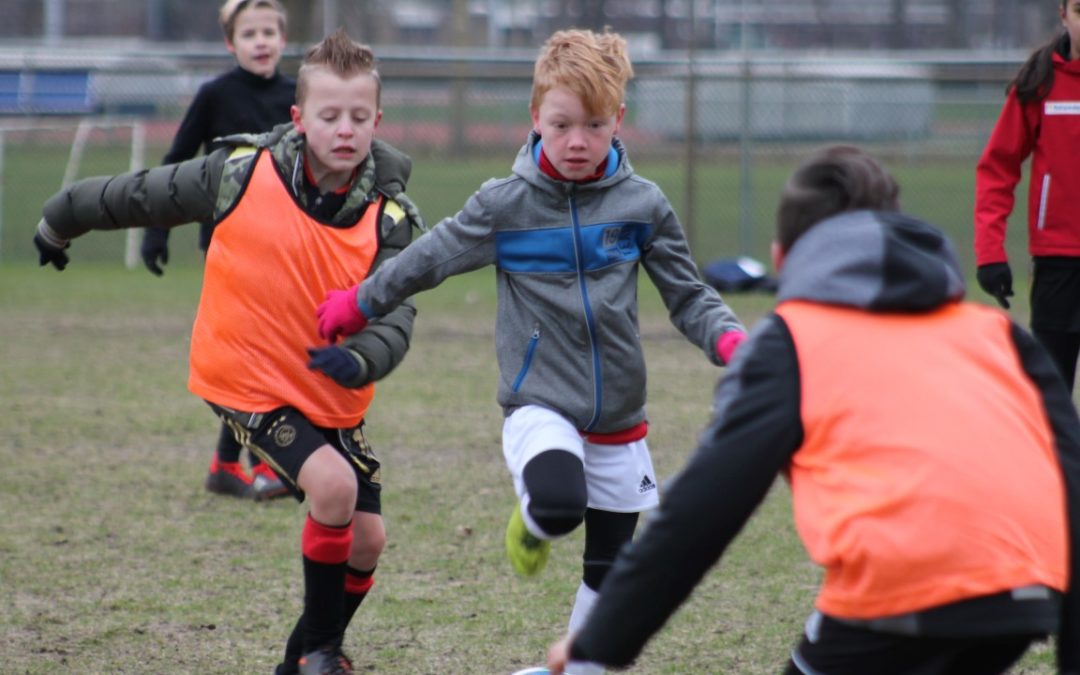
205, 188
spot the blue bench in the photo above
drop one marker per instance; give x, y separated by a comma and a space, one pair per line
45, 92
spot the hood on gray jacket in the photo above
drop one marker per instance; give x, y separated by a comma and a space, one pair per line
873, 260
527, 166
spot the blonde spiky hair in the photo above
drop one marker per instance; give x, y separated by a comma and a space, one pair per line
595, 66
339, 54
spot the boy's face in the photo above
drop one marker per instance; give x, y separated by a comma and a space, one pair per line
338, 117
257, 40
575, 141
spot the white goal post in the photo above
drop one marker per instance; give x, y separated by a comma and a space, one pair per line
71, 171
138, 157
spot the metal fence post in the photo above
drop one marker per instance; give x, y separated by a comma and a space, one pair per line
691, 132
746, 150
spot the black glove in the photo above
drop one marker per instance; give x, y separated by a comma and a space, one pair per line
49, 254
345, 366
155, 247
996, 279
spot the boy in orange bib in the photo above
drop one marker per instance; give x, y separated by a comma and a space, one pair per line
298, 211
932, 450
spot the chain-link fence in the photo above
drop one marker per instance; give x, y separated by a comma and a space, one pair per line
720, 159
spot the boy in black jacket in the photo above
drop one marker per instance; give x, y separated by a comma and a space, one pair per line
253, 97
944, 507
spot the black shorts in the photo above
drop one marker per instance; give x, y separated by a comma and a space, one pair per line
837, 648
284, 439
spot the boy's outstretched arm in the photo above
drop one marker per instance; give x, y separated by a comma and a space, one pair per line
694, 307
165, 196
458, 244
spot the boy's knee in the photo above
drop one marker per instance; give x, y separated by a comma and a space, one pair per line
339, 490
366, 548
555, 482
330, 487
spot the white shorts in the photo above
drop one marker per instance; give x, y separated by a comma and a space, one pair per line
618, 478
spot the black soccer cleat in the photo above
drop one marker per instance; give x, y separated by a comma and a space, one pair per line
327, 660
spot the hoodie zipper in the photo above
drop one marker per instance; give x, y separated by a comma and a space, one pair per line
590, 322
530, 349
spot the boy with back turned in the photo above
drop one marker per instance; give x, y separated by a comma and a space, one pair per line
931, 447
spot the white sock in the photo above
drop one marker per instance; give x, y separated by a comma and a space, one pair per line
583, 604
530, 524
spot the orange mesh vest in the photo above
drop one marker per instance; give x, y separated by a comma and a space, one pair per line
268, 268
928, 473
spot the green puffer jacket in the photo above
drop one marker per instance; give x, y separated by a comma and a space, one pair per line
204, 189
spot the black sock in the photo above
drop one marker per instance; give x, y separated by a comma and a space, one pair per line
228, 448
323, 585
294, 646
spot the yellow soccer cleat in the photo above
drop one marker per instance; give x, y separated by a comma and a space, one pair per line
528, 553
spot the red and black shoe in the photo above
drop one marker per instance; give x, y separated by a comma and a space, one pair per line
228, 478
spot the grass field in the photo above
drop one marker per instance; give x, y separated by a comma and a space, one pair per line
113, 559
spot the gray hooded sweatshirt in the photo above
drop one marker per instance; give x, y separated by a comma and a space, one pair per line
566, 258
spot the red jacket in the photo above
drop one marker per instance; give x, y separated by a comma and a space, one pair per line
1049, 131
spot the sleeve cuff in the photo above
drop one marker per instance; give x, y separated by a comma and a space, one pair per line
49, 235
363, 376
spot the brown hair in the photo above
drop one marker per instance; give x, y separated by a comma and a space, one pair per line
339, 54
595, 66
1035, 78
231, 8
833, 180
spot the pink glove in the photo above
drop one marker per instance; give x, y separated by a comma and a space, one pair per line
339, 315
728, 343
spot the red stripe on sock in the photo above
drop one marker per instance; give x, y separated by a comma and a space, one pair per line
326, 544
357, 585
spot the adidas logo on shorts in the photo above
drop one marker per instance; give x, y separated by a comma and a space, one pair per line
646, 485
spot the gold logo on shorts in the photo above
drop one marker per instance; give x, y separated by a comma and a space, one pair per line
284, 435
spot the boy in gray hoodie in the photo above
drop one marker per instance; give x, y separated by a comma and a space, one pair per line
567, 232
